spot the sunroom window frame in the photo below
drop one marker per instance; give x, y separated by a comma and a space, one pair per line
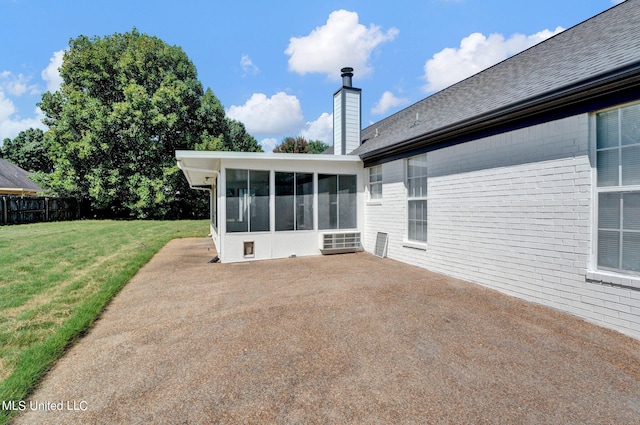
296, 197
248, 199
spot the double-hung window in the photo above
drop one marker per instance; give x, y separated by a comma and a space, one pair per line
417, 198
375, 182
618, 188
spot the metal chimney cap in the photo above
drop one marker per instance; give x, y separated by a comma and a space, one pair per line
347, 73
347, 70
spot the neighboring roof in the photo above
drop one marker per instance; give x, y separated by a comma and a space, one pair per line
328, 151
597, 58
15, 180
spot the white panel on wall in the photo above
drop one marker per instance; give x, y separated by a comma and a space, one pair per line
337, 123
352, 120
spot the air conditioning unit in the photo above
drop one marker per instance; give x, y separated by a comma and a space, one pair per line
337, 243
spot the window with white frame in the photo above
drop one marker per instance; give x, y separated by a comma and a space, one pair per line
618, 188
417, 198
375, 182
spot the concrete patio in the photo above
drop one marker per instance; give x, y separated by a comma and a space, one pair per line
334, 339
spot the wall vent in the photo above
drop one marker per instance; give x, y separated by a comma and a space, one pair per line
336, 243
380, 249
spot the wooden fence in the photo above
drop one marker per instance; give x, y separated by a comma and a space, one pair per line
33, 209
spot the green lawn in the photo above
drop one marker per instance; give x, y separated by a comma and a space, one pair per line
55, 280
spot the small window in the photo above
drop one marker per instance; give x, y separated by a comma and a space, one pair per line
417, 198
375, 182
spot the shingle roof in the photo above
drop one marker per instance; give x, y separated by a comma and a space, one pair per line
601, 44
14, 177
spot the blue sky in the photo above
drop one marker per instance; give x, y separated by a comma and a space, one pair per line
275, 65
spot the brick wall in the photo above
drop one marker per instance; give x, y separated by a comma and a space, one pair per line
511, 212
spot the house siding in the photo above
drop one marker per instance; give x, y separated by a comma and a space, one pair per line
511, 212
352, 120
337, 124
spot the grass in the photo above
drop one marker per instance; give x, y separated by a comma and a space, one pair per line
56, 279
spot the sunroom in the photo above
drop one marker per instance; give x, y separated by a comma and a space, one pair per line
267, 206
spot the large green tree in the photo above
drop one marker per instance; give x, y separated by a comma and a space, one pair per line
127, 102
27, 150
219, 132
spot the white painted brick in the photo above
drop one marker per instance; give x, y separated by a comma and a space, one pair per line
635, 318
605, 311
616, 322
592, 300
587, 292
608, 296
620, 308
511, 212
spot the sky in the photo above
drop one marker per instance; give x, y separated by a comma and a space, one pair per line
276, 65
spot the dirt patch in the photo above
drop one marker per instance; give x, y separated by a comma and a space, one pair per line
335, 339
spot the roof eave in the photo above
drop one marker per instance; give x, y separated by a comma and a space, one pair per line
262, 156
18, 191
606, 89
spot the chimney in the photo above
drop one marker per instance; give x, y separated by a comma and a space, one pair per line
346, 115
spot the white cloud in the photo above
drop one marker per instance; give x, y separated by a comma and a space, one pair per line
614, 2
341, 42
388, 101
11, 125
269, 143
476, 52
11, 85
6, 107
51, 74
320, 129
262, 115
16, 85
248, 66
